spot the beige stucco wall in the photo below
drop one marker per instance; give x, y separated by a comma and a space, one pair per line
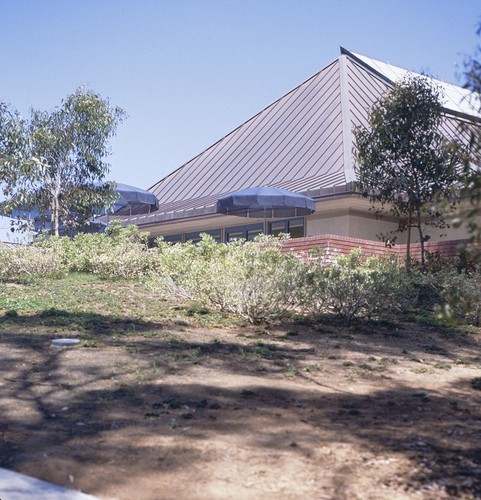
351, 216
349, 223
347, 215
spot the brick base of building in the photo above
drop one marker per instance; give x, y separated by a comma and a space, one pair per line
332, 245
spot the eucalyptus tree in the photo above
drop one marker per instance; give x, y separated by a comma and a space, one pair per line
54, 162
472, 176
403, 159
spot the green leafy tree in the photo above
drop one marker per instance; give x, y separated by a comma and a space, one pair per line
403, 159
54, 162
471, 185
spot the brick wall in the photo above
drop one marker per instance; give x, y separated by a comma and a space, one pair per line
333, 245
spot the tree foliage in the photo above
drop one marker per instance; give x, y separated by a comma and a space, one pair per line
404, 160
54, 162
471, 189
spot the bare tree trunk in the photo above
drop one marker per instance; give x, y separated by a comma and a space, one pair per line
421, 239
54, 216
408, 244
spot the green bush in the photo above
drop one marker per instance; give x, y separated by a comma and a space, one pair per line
355, 285
462, 296
123, 260
119, 252
250, 279
453, 294
28, 262
372, 287
254, 279
257, 282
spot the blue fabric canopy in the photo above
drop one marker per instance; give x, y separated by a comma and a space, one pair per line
134, 200
265, 202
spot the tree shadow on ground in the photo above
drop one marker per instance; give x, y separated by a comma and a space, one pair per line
113, 406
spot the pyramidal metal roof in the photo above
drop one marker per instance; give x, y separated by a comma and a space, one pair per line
455, 98
302, 142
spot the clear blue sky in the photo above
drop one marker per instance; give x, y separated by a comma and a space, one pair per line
189, 71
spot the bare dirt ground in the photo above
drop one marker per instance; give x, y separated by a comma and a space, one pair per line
314, 411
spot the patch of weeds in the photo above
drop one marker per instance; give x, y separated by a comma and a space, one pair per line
459, 361
193, 356
168, 361
422, 317
149, 334
132, 349
243, 352
154, 372
414, 358
303, 321
129, 368
361, 328
435, 349
365, 366
386, 323
170, 336
10, 314
217, 320
105, 394
261, 349
372, 358
290, 371
91, 343
467, 329
476, 383
358, 372
197, 309
347, 363
442, 365
181, 322
419, 370
333, 356
386, 361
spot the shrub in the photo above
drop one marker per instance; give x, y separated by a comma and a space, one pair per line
355, 285
251, 279
28, 262
455, 295
123, 261
119, 252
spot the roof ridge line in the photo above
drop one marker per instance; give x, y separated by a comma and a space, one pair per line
346, 121
367, 66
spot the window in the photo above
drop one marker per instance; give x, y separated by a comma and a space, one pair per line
248, 232
173, 238
277, 227
254, 230
294, 227
195, 236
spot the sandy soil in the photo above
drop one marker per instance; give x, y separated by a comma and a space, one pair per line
317, 411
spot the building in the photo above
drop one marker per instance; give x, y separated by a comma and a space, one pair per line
12, 231
302, 142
